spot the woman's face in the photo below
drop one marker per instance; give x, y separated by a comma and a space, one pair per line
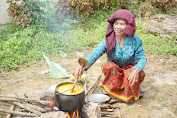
119, 27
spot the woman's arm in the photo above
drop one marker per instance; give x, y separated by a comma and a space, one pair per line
139, 55
141, 61
91, 58
98, 52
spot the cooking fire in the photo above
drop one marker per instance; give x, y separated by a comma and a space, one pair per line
64, 102
52, 107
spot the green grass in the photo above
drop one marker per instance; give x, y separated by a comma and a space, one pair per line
30, 44
157, 44
19, 46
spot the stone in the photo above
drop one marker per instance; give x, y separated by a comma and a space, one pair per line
91, 110
56, 114
48, 93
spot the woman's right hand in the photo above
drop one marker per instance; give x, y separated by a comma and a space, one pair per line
75, 73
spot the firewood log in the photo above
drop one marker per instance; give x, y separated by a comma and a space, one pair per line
17, 99
28, 108
107, 113
36, 107
17, 113
11, 109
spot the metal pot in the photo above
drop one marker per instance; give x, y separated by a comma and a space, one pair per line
69, 103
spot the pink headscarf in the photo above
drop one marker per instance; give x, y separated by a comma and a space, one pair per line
130, 28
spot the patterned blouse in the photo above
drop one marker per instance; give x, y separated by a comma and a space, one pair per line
131, 52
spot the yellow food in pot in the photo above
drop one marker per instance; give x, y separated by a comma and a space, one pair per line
66, 89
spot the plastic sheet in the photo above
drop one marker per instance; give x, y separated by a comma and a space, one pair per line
56, 71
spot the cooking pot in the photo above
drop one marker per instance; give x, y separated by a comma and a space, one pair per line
71, 102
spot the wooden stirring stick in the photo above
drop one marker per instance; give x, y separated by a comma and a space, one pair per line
79, 74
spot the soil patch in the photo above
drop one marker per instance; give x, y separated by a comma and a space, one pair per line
160, 84
162, 24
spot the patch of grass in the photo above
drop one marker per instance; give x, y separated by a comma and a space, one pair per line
15, 51
31, 43
9, 29
163, 101
176, 110
0, 89
157, 89
157, 44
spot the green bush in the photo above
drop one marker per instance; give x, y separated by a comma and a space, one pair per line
41, 13
165, 5
140, 8
27, 12
35, 12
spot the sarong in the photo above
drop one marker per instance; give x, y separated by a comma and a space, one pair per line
116, 82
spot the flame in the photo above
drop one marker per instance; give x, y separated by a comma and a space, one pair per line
75, 113
68, 115
78, 113
52, 105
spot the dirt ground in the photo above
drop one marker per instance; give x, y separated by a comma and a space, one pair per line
160, 84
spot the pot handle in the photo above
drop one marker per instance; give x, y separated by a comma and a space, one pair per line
57, 94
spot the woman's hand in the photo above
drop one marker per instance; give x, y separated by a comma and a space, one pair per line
134, 75
77, 73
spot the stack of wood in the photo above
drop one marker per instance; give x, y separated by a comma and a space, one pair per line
109, 110
26, 107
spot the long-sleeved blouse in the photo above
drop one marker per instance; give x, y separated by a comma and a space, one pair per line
132, 51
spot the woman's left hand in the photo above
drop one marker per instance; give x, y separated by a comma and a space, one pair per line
134, 75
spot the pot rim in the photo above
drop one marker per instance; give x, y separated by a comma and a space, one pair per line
68, 94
